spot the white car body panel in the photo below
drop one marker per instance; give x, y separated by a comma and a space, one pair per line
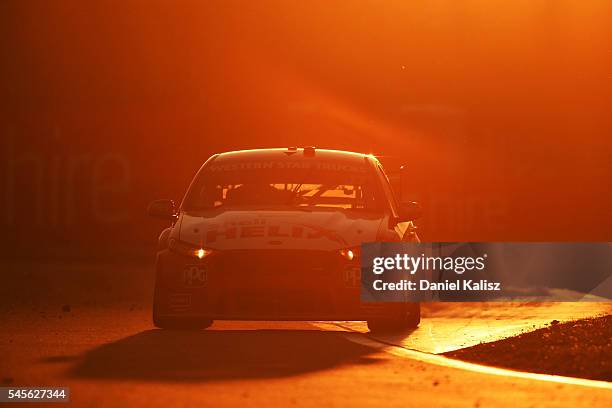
264, 229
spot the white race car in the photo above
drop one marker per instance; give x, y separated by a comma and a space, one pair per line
275, 234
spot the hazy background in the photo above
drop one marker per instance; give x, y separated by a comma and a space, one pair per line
500, 110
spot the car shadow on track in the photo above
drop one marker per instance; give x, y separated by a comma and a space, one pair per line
220, 355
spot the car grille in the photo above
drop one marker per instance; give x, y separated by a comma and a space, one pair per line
282, 264
277, 282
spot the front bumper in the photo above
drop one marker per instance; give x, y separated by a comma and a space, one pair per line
263, 285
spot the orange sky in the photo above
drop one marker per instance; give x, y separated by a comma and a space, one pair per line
501, 108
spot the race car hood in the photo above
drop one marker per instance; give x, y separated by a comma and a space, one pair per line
315, 230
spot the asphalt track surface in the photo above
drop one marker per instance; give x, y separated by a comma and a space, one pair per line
109, 354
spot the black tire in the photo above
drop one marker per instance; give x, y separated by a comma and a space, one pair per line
180, 323
408, 319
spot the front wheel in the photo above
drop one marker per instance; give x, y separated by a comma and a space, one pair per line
180, 323
408, 318
175, 322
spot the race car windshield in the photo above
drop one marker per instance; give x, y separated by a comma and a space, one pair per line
313, 186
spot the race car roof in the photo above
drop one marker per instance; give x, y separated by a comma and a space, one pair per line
294, 153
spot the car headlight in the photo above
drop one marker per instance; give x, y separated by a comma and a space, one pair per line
350, 254
186, 249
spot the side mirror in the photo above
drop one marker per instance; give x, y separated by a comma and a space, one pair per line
410, 211
164, 209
